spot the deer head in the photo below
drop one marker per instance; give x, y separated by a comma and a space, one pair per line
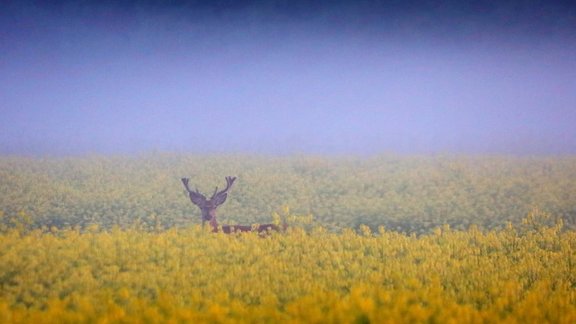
208, 206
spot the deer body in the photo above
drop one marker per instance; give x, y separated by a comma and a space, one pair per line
209, 206
245, 228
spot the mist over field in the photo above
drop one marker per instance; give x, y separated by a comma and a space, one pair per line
287, 77
287, 161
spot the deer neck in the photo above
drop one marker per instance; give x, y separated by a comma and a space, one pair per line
213, 221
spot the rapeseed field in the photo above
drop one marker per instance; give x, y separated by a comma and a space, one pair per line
115, 240
523, 275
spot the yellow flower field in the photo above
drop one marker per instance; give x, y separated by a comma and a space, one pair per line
411, 194
376, 240
191, 275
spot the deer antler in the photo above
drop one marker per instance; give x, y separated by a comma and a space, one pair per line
185, 181
219, 197
195, 196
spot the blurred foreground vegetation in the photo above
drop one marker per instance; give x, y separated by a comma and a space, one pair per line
524, 274
413, 194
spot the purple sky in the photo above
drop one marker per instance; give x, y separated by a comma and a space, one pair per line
246, 77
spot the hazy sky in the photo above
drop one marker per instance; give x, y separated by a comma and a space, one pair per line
288, 76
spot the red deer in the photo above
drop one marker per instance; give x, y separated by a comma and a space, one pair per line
209, 206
